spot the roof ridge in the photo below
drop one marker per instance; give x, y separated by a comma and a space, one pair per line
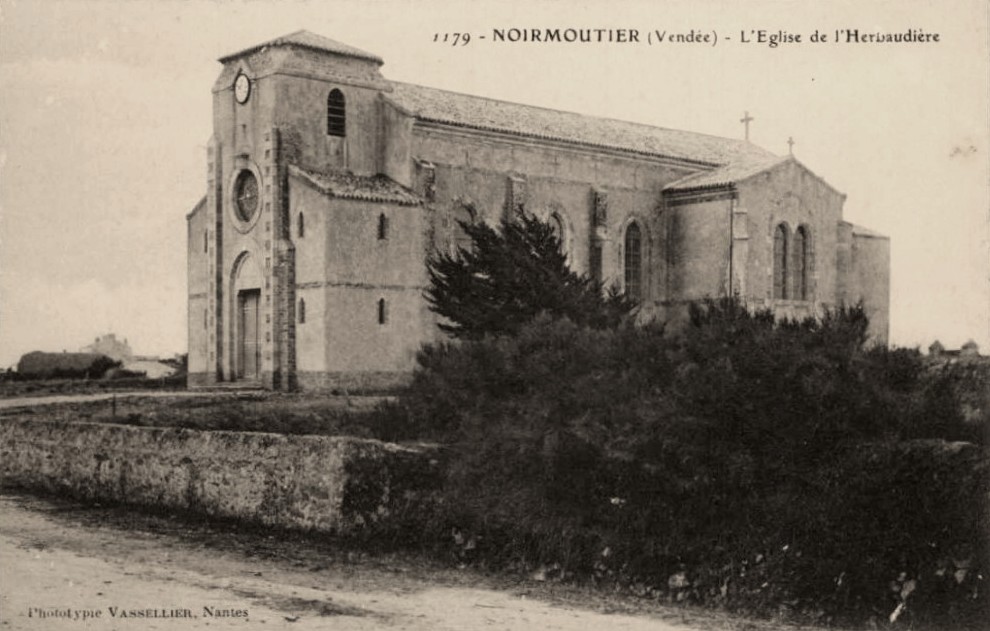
448, 107
738, 141
317, 42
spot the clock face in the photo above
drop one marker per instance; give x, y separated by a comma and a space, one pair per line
246, 195
242, 88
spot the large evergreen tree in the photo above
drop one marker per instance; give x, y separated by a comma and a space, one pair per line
508, 276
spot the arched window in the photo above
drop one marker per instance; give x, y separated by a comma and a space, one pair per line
463, 214
557, 225
382, 311
634, 262
301, 226
382, 227
801, 247
302, 311
780, 262
336, 114
595, 261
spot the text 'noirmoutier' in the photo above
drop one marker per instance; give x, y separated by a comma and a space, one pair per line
662, 37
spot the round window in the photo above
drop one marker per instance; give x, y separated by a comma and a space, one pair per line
246, 195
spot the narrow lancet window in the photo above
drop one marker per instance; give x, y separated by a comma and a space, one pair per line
780, 262
634, 262
801, 264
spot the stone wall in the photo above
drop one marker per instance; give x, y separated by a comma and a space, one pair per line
328, 484
870, 280
476, 168
791, 195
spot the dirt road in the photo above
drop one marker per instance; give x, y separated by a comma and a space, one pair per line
66, 566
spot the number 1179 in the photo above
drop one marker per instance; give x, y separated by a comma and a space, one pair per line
454, 39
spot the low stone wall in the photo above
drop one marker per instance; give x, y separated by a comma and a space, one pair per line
322, 483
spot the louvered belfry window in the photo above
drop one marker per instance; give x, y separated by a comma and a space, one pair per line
336, 114
382, 227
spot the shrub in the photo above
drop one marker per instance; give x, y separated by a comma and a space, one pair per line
724, 465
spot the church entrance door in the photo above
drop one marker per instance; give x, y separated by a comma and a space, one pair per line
248, 348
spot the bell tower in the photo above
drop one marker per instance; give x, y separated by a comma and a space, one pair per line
304, 100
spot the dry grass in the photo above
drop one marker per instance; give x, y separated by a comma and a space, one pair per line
253, 412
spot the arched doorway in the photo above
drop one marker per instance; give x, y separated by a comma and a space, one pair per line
246, 281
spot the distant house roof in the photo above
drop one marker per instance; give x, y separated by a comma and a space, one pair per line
40, 364
344, 185
462, 110
311, 41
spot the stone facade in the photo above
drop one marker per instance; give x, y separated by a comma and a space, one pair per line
311, 275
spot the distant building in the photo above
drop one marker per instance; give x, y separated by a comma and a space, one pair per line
110, 346
40, 365
969, 350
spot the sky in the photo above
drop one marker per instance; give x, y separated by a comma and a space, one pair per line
105, 113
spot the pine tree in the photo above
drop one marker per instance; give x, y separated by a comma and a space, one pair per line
508, 276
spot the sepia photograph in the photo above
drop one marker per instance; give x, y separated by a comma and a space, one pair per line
501, 314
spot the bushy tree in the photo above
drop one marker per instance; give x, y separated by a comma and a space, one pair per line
745, 462
508, 276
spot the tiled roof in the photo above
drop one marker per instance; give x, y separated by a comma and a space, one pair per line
452, 108
195, 209
860, 231
728, 174
312, 41
375, 188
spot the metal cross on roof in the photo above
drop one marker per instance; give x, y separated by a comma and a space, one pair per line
746, 120
790, 145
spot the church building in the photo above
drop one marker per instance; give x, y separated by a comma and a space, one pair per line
329, 185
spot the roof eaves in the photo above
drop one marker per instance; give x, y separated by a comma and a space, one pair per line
286, 40
560, 139
200, 204
403, 198
866, 233
703, 188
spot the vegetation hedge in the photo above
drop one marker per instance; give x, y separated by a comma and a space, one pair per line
783, 468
